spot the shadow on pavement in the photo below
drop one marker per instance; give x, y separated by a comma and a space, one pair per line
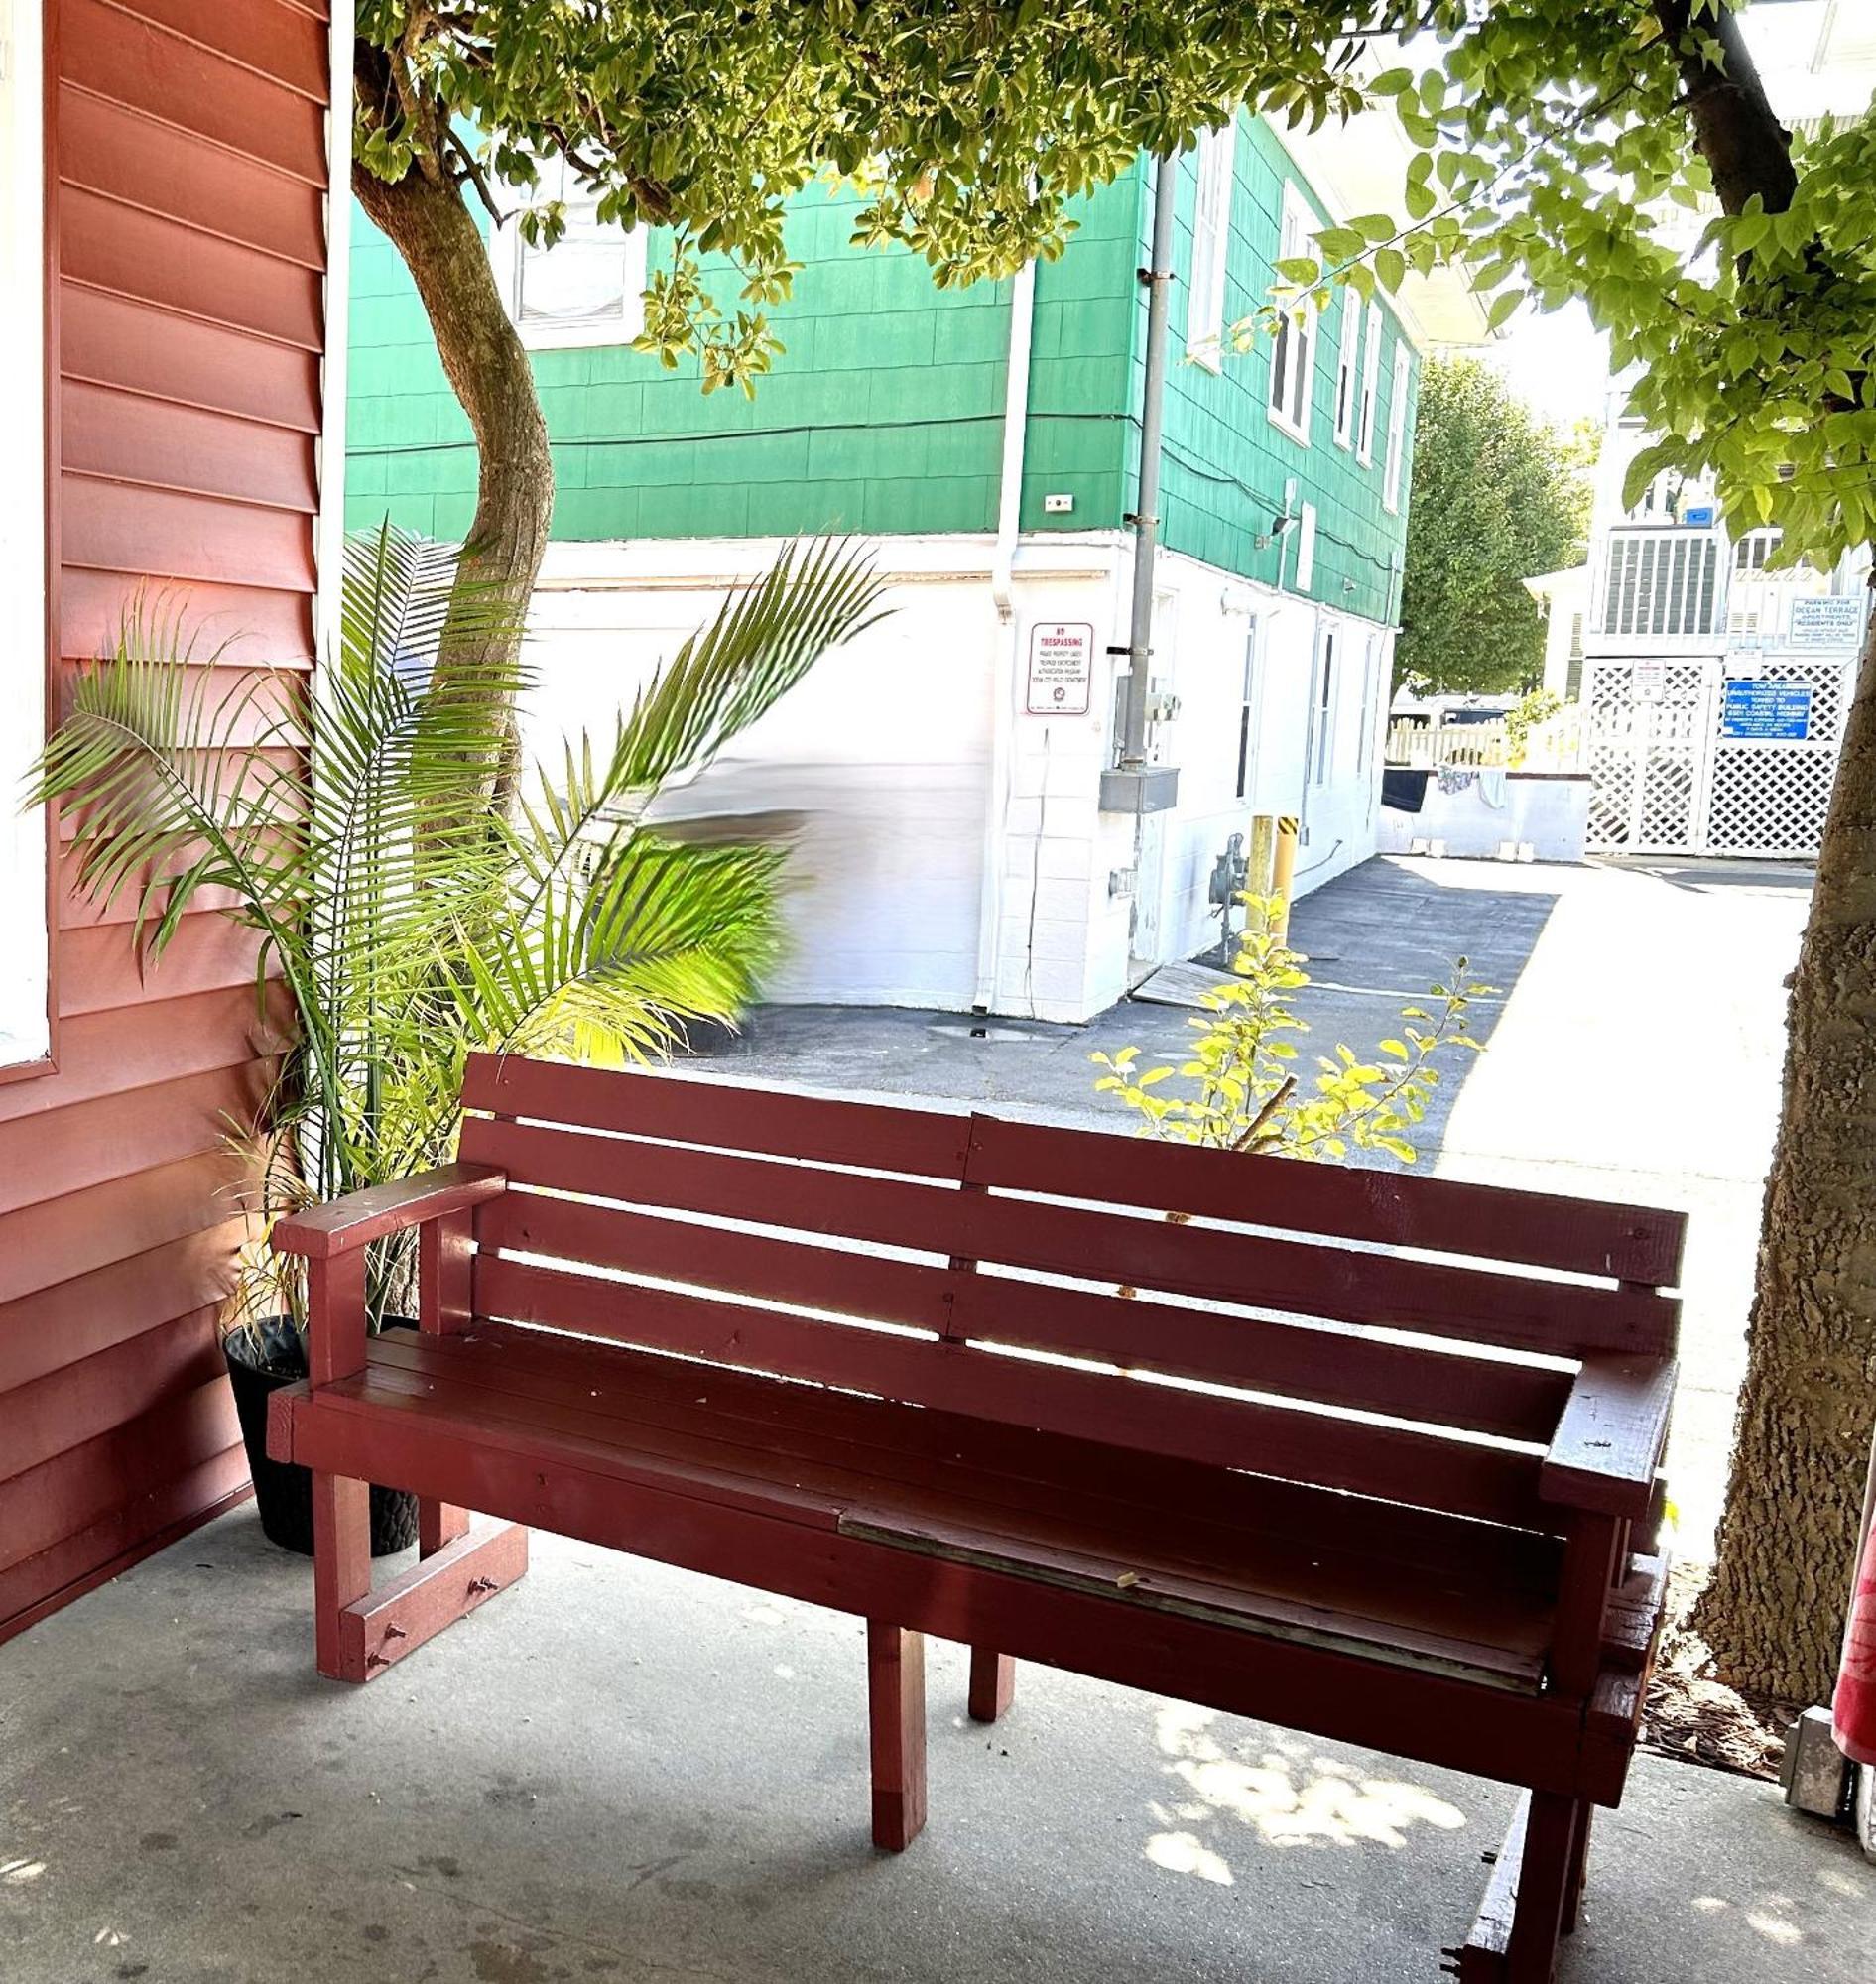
1702, 876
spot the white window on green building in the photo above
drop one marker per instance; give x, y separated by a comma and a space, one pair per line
1397, 429
1293, 351
1371, 383
1216, 160
1247, 711
1321, 741
588, 288
1348, 369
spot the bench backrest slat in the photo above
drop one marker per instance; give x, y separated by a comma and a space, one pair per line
772, 1122
1041, 1283
1631, 1243
1395, 1463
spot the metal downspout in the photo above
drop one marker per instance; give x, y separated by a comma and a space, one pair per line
1146, 520
1004, 656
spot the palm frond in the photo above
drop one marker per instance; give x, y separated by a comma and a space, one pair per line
761, 643
616, 962
414, 717
411, 921
174, 787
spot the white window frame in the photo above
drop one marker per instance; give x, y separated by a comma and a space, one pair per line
25, 907
1305, 574
1322, 699
1247, 711
1348, 369
507, 253
1397, 427
1370, 382
1370, 700
1216, 159
1291, 397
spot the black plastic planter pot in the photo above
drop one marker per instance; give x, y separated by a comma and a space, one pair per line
283, 1492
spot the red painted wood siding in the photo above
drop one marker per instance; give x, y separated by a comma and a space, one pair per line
189, 156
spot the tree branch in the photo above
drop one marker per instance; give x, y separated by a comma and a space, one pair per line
1747, 149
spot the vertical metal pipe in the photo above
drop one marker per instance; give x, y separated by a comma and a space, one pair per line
1004, 656
1145, 523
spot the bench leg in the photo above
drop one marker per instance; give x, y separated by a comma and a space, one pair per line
1529, 1893
341, 1565
446, 1251
1541, 1888
992, 1683
1578, 1867
895, 1688
1543, 1877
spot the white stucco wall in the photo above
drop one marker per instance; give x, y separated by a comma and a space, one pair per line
874, 770
946, 847
1547, 812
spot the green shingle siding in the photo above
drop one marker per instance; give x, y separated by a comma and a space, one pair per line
884, 413
1226, 462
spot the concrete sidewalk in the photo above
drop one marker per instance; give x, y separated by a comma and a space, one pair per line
622, 1771
1634, 1054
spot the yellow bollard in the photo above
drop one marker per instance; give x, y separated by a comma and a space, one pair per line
1289, 832
1263, 848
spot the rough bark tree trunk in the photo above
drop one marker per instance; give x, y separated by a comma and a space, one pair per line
1774, 1612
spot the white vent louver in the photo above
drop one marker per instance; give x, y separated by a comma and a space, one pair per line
1662, 583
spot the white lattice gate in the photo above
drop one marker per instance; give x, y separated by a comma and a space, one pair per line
1668, 776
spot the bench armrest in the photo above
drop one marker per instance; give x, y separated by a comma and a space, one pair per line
1609, 1439
324, 1232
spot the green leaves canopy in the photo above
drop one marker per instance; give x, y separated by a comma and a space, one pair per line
971, 127
1496, 500
1556, 143
1564, 152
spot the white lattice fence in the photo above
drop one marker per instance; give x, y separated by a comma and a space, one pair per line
1667, 781
1769, 796
1648, 725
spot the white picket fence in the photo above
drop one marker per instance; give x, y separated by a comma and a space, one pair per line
1554, 745
1429, 746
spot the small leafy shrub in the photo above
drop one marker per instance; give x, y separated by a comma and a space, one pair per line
1241, 1090
1525, 715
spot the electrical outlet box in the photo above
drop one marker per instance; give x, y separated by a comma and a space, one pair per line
1058, 506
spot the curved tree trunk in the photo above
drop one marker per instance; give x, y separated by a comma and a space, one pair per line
1774, 1612
428, 220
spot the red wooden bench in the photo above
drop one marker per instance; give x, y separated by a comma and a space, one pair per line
1431, 1537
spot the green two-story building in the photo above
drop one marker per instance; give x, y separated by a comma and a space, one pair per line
942, 777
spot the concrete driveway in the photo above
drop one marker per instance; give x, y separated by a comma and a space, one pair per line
1634, 1052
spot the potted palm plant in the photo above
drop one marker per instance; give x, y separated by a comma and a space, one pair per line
415, 897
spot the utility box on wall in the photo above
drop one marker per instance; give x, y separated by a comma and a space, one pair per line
1140, 789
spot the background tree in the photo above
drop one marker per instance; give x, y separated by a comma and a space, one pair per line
1497, 498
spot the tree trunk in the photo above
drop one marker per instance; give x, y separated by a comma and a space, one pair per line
426, 219
1774, 1612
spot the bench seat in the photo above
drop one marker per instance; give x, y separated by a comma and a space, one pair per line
1410, 1587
